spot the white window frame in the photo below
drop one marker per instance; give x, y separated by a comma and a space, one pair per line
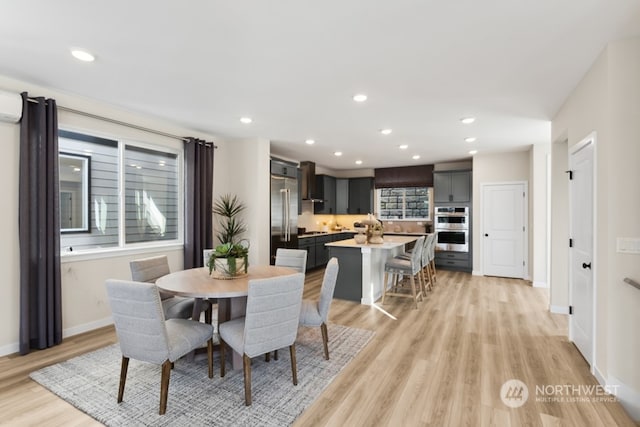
124, 248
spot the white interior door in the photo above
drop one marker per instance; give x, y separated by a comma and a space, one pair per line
581, 252
503, 229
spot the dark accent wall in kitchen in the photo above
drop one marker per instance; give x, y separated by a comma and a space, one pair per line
406, 176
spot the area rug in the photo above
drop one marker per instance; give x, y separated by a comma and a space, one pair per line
90, 383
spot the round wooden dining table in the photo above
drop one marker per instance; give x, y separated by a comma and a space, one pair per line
231, 293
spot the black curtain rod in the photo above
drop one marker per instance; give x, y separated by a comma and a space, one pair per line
121, 123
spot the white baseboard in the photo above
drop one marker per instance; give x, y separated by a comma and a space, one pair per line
559, 309
476, 273
9, 349
629, 398
80, 329
76, 330
599, 376
540, 285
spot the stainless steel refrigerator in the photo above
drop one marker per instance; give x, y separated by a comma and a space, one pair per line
284, 212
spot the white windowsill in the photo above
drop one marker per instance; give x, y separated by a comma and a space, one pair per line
91, 254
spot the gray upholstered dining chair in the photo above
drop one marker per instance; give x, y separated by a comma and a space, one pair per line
270, 323
145, 335
151, 269
292, 258
315, 312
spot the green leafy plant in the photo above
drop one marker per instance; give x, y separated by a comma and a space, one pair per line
228, 207
230, 251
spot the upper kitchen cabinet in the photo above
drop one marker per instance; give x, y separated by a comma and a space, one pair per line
452, 187
360, 196
342, 196
325, 191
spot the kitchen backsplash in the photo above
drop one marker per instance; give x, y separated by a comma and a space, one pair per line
312, 222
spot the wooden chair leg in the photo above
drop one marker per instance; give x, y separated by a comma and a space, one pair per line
123, 377
413, 291
164, 386
210, 356
325, 340
222, 355
246, 364
294, 369
275, 355
267, 356
384, 286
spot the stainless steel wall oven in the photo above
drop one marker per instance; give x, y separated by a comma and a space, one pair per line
451, 224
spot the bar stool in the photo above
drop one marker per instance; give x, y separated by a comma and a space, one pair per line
401, 266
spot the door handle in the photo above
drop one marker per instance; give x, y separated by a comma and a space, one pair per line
585, 265
486, 235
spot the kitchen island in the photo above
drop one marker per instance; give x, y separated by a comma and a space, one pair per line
361, 272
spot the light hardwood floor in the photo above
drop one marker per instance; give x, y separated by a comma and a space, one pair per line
440, 365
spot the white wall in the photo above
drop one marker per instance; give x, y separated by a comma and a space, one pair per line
84, 303
538, 213
245, 171
607, 101
488, 168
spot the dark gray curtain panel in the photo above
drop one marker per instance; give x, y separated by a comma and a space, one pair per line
39, 226
198, 227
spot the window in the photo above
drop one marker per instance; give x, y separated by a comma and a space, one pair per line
146, 211
412, 203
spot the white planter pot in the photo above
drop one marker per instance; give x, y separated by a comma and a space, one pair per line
223, 270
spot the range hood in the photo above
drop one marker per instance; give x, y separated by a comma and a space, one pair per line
308, 181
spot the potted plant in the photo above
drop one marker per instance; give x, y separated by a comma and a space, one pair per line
230, 257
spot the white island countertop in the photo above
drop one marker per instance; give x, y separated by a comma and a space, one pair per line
361, 274
390, 242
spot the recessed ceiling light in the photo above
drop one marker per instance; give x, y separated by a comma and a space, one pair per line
468, 120
358, 162
403, 146
386, 131
415, 157
472, 152
338, 153
360, 97
82, 55
310, 141
246, 120
470, 139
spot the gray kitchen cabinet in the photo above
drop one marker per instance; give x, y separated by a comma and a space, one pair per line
452, 187
322, 251
342, 196
360, 196
453, 260
309, 244
325, 191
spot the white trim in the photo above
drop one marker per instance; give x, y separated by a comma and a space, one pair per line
559, 309
525, 220
76, 330
629, 398
589, 139
81, 329
599, 375
115, 252
477, 273
12, 348
538, 284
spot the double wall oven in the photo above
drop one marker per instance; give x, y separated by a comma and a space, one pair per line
451, 224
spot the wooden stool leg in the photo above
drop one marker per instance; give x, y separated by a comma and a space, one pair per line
384, 285
413, 291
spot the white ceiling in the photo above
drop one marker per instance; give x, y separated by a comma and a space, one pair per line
294, 65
